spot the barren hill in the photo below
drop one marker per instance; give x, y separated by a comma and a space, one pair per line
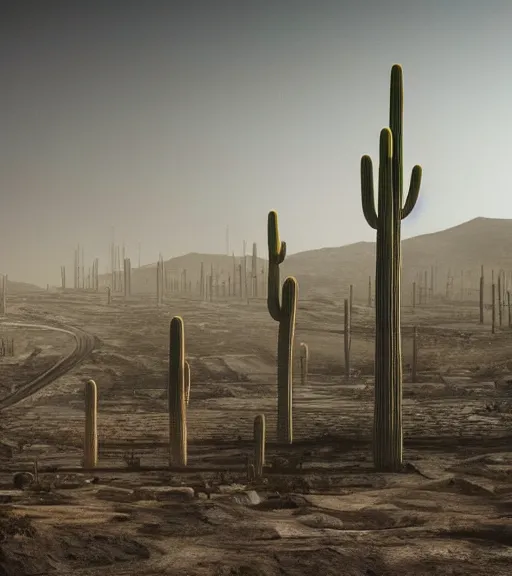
328, 272
21, 287
461, 249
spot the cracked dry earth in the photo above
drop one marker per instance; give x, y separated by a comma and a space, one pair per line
430, 520
450, 513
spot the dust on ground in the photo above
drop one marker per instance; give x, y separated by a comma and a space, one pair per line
324, 510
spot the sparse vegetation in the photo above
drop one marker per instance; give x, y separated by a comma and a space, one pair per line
140, 466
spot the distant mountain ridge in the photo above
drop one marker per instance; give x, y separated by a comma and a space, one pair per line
21, 287
330, 271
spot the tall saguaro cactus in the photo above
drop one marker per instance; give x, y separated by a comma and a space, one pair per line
388, 435
283, 311
177, 394
91, 425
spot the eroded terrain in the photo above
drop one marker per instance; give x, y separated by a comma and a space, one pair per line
321, 506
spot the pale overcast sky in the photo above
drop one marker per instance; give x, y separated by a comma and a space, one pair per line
169, 121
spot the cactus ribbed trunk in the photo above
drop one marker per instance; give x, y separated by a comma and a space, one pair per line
385, 446
387, 438
283, 312
259, 445
395, 125
286, 334
177, 394
91, 424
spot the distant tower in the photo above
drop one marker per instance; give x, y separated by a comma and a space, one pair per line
227, 240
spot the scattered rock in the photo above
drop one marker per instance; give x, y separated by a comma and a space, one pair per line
22, 480
113, 494
321, 521
245, 498
164, 493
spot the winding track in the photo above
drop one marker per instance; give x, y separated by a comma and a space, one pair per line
84, 346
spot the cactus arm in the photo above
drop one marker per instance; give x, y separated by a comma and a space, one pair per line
414, 191
367, 192
276, 248
276, 255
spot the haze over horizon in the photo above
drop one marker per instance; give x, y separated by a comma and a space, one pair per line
168, 123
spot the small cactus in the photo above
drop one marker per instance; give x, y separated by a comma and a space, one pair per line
509, 311
414, 353
347, 337
259, 445
91, 423
493, 305
177, 394
500, 311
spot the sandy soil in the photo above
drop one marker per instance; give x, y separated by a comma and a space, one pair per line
448, 513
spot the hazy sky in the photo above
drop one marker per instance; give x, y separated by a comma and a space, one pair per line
170, 120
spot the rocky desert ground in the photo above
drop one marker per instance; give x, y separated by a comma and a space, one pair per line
320, 507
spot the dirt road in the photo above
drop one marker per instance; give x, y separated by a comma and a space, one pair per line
84, 346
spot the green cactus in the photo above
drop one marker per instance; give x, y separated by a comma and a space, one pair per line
283, 312
388, 435
276, 256
177, 394
91, 425
259, 445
